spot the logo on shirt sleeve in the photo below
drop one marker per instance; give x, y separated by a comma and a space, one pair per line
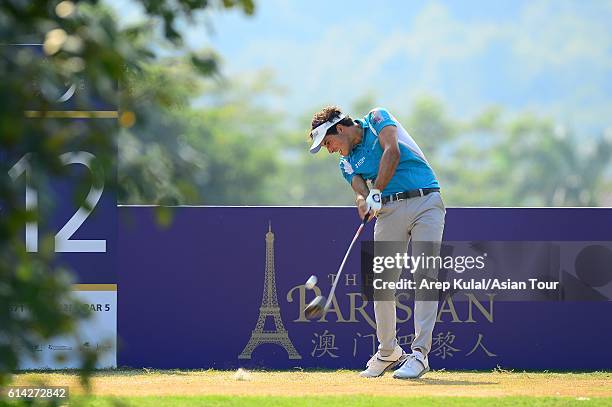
346, 166
377, 116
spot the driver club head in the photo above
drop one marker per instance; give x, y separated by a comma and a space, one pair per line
315, 309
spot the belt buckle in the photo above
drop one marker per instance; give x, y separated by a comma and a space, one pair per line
421, 192
397, 196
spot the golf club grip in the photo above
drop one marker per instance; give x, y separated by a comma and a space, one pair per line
366, 218
333, 289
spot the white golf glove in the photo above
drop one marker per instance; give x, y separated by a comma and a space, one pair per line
374, 201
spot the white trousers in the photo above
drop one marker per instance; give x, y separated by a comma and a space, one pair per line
413, 220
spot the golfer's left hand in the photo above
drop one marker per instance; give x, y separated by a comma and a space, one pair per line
374, 202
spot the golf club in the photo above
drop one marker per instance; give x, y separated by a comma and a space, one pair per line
318, 306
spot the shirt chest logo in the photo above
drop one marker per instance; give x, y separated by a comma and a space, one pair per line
360, 162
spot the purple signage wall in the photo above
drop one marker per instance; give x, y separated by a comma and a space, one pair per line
190, 294
76, 208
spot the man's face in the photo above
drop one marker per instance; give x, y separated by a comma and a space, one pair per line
336, 143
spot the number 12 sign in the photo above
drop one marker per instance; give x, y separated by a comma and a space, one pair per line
63, 241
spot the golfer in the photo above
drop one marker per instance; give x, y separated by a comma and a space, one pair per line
404, 195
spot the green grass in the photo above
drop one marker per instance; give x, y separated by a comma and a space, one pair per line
440, 389
365, 401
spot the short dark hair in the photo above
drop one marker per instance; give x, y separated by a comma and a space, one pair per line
329, 113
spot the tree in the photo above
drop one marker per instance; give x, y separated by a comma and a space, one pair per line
552, 166
429, 124
490, 160
81, 42
221, 153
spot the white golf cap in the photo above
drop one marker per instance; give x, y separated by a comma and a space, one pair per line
318, 133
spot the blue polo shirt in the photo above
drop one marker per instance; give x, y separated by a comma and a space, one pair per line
412, 172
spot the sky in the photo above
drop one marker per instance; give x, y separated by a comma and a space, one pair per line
552, 58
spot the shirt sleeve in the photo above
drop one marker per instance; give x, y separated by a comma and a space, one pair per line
347, 170
380, 118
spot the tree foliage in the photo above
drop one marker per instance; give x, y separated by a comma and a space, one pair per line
245, 153
81, 44
217, 154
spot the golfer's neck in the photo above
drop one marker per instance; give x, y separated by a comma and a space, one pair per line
356, 137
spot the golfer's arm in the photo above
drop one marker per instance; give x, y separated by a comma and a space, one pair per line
390, 157
360, 187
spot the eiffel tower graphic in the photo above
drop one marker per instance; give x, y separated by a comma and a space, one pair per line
269, 309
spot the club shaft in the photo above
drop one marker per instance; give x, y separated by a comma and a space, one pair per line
333, 289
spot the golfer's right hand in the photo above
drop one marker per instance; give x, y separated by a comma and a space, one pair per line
362, 207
